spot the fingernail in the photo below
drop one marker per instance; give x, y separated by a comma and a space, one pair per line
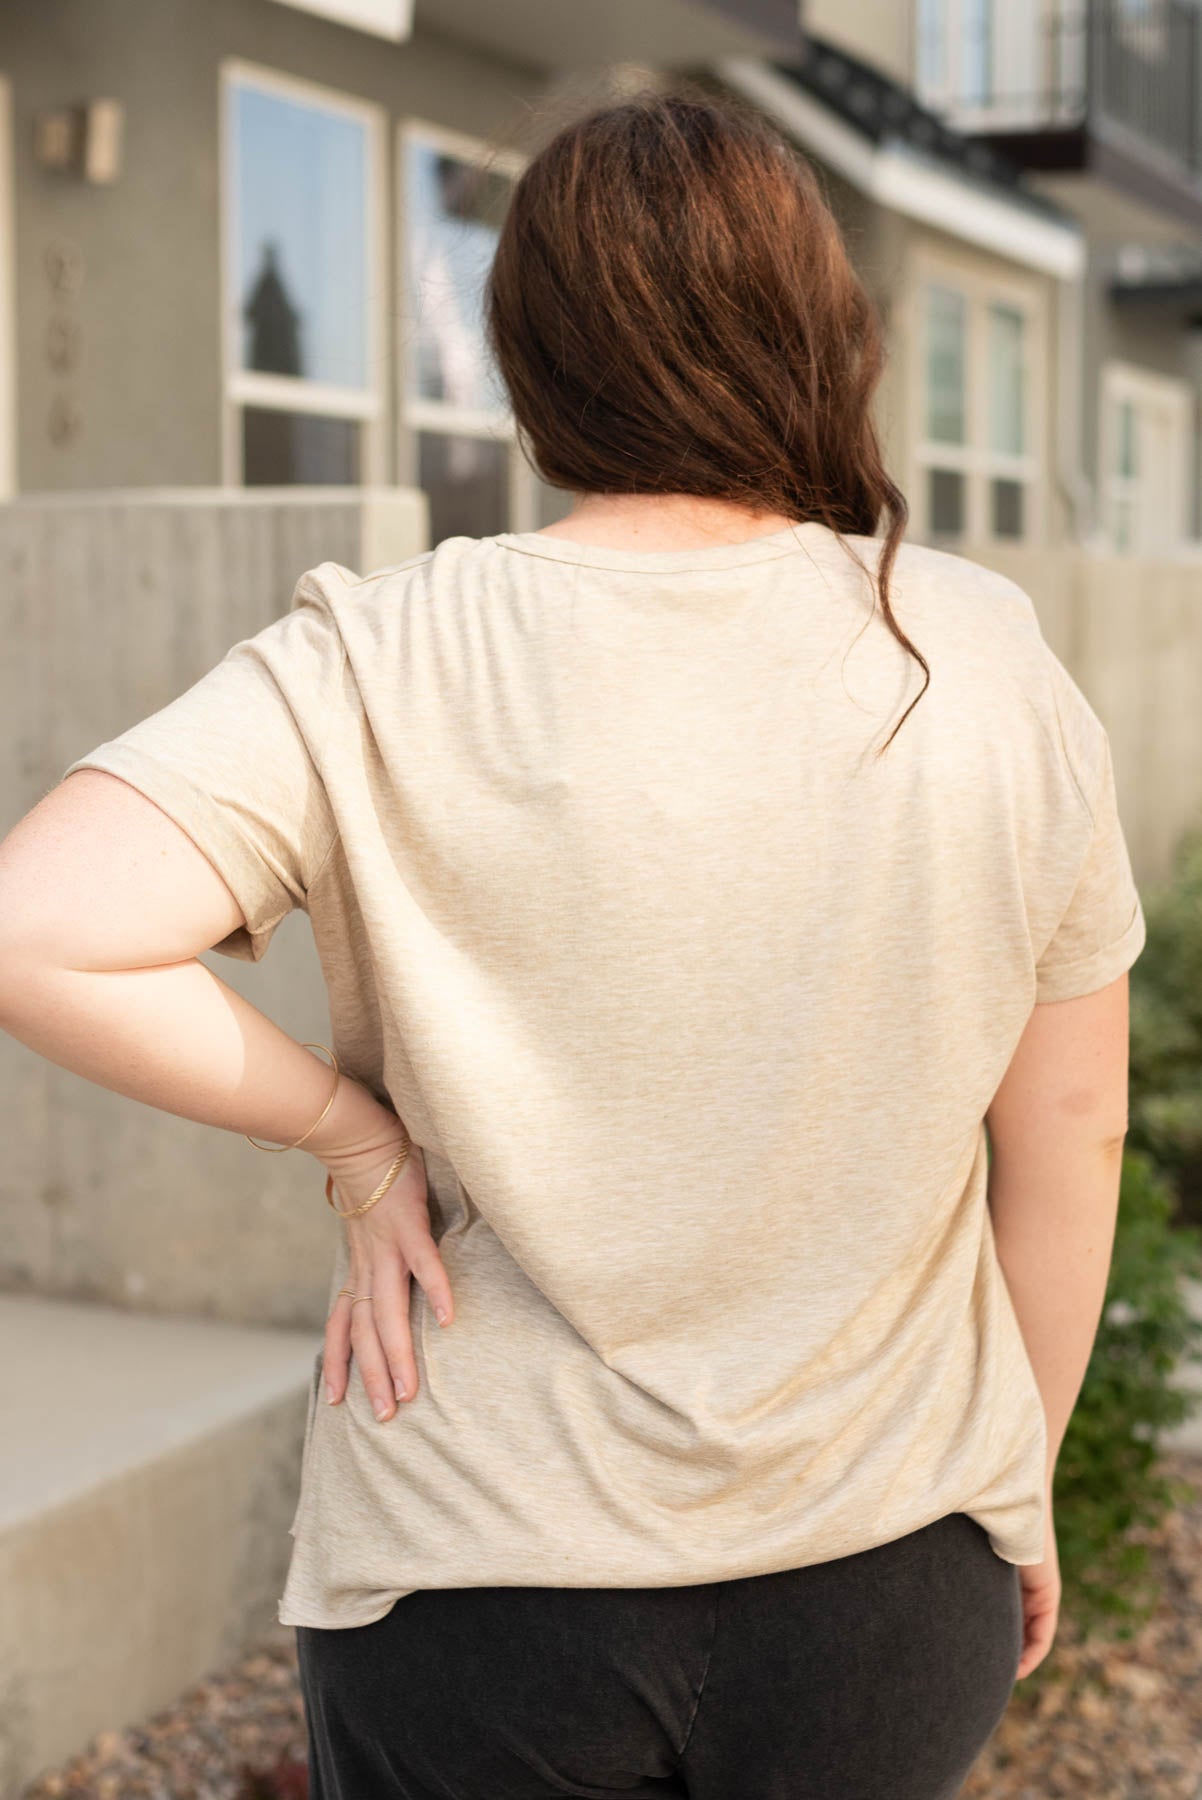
331, 1396
441, 1314
401, 1389
381, 1409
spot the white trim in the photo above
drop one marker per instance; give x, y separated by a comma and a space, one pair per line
292, 393
901, 178
461, 421
8, 299
974, 458
391, 19
286, 393
1174, 399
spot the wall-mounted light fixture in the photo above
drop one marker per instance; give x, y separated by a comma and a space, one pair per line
82, 140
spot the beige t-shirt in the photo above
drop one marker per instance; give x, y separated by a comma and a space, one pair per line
695, 1007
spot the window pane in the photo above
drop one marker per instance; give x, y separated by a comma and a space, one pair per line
1008, 498
932, 30
946, 329
453, 216
945, 502
300, 256
976, 62
550, 504
282, 448
467, 482
1007, 380
1128, 439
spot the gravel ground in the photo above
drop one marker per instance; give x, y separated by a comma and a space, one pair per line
1115, 1722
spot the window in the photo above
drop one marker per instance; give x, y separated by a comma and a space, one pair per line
1002, 64
303, 338
976, 51
946, 397
931, 32
458, 440
1147, 430
954, 50
976, 465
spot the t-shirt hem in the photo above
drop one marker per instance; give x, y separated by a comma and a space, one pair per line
201, 818
299, 1615
1086, 974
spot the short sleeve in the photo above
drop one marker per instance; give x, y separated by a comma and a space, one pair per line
1103, 930
235, 760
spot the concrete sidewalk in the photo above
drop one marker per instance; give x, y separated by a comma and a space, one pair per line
150, 1472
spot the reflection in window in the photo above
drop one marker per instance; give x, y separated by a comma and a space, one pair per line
946, 313
454, 216
550, 504
932, 34
977, 51
945, 502
466, 480
1007, 380
282, 448
301, 183
1007, 500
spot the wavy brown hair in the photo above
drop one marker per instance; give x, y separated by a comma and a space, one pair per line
672, 309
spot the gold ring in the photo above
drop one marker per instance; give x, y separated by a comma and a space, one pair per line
359, 1297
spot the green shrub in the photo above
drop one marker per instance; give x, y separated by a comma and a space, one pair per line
1165, 1090
1109, 1484
1111, 1487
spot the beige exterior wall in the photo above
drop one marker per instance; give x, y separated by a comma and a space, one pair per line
879, 31
1129, 630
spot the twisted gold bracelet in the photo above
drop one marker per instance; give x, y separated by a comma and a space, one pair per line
353, 1212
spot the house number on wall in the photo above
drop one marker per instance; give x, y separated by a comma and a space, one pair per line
63, 262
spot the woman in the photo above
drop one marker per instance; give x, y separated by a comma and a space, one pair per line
692, 920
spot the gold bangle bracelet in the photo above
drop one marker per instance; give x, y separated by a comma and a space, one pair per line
276, 1148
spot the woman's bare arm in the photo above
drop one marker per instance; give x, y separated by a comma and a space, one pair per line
105, 906
1057, 1126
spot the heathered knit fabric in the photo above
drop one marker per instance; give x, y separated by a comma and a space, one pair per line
695, 1005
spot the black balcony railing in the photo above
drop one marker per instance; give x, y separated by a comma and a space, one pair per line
1132, 64
1145, 74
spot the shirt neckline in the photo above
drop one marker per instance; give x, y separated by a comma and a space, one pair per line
679, 562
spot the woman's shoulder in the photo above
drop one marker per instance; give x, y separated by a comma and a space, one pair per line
996, 619
445, 569
949, 577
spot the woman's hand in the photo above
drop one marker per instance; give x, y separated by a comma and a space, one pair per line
1041, 1601
389, 1243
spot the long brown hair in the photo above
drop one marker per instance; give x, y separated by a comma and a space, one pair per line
672, 309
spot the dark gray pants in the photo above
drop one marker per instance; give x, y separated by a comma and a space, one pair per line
877, 1676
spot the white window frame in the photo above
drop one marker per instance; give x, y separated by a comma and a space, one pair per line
298, 393
8, 298
1127, 381
391, 19
979, 464
414, 414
